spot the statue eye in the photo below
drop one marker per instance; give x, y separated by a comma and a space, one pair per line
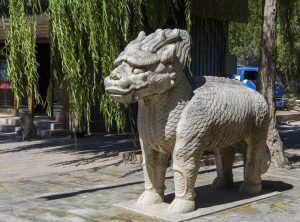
137, 71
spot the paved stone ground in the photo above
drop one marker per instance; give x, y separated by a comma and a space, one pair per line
60, 180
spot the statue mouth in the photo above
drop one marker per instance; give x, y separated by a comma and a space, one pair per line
114, 90
117, 91
125, 95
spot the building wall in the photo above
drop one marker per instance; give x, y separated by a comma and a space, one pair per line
208, 47
6, 97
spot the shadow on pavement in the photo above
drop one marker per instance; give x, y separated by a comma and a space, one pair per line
290, 135
208, 197
8, 138
205, 195
92, 144
91, 148
75, 193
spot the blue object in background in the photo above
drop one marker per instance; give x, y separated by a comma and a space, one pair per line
279, 103
248, 75
250, 84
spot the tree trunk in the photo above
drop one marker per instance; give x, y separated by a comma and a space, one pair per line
266, 81
32, 102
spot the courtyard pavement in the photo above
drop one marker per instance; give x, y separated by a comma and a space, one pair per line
76, 181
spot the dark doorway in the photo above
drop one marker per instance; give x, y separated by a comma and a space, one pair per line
43, 59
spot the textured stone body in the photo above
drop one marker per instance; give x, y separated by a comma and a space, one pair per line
174, 120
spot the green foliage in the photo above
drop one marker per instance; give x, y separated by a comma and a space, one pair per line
86, 37
244, 39
288, 37
167, 13
157, 16
21, 54
188, 10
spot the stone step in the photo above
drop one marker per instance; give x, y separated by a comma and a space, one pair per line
51, 126
56, 126
47, 133
10, 121
46, 127
17, 128
15, 122
47, 124
7, 128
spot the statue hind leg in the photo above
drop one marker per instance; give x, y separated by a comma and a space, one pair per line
224, 161
154, 166
186, 163
256, 162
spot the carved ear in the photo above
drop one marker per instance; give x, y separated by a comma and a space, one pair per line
169, 54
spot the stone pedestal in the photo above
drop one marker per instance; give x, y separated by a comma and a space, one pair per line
211, 202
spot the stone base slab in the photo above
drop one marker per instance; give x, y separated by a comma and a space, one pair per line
159, 211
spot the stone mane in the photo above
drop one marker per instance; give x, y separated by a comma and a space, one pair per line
147, 50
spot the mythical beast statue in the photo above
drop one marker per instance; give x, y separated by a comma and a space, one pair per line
175, 120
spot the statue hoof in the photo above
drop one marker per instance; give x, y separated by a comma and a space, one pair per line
250, 188
181, 206
149, 197
221, 183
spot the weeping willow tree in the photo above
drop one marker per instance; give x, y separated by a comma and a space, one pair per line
85, 38
244, 39
21, 53
78, 29
288, 36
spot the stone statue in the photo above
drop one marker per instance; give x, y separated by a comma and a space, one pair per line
27, 129
175, 120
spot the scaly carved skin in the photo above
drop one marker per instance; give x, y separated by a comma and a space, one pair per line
175, 121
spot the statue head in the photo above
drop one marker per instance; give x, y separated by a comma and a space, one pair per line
149, 65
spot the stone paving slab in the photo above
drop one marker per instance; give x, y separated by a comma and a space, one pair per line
57, 180
160, 211
95, 204
289, 115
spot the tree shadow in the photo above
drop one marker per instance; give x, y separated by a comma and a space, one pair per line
8, 138
206, 196
294, 159
93, 144
91, 190
290, 135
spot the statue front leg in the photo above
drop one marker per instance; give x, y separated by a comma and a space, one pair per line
186, 163
154, 166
